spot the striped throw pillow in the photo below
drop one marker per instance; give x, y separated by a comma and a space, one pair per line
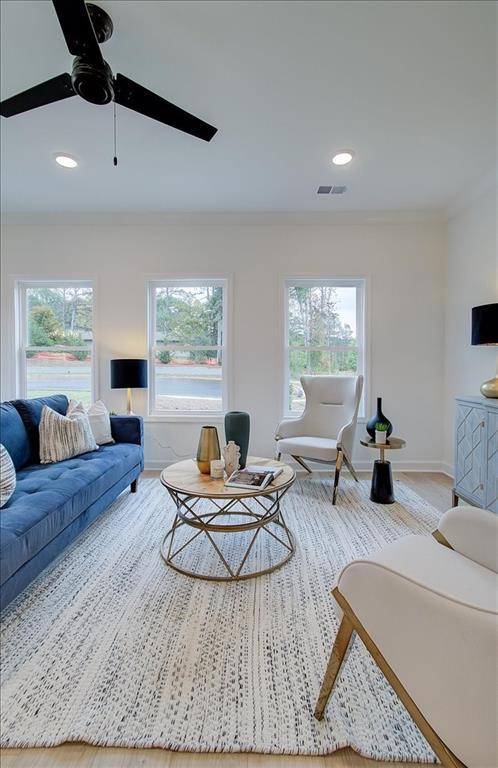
7, 476
62, 437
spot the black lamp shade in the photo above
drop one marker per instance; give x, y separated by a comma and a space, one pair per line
485, 324
128, 373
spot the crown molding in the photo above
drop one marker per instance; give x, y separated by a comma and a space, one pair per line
204, 218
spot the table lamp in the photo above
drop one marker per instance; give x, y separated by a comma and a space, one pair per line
485, 331
128, 374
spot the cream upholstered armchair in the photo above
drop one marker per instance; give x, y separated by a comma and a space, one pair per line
428, 615
325, 432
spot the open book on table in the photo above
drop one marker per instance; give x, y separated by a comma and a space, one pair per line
253, 476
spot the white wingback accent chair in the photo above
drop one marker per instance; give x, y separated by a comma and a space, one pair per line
325, 431
428, 614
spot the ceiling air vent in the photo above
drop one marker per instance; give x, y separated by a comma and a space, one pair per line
328, 190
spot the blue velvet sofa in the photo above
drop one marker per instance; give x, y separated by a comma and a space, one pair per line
53, 503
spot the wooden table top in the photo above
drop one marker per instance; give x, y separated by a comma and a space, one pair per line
184, 477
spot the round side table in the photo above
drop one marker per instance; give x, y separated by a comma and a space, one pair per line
230, 513
382, 479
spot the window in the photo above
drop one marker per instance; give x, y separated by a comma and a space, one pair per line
187, 347
324, 332
56, 339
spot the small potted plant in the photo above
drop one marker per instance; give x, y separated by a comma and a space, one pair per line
381, 433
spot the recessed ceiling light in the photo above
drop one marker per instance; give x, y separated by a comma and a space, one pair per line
66, 161
343, 157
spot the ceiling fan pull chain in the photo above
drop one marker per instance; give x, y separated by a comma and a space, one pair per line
115, 151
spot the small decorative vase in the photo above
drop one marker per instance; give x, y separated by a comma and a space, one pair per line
379, 416
231, 454
237, 425
208, 449
380, 437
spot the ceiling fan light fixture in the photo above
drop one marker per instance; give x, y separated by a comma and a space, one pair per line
66, 161
343, 157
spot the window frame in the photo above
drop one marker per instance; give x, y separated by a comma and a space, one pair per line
186, 282
21, 288
361, 285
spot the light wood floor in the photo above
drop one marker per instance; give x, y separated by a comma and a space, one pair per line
436, 488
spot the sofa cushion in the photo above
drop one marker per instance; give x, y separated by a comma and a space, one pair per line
14, 435
7, 476
62, 437
49, 497
31, 411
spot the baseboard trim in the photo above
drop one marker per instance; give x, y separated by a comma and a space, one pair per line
447, 469
361, 466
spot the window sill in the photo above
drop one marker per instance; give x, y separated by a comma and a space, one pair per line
185, 418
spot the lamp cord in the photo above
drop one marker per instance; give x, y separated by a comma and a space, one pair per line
115, 161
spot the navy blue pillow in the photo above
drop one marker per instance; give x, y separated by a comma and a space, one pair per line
13, 436
30, 412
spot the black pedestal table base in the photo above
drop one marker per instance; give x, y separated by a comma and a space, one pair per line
382, 483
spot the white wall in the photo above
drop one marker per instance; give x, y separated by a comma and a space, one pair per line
403, 261
471, 279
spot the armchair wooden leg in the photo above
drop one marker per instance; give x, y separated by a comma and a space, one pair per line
302, 463
338, 465
337, 657
278, 455
133, 486
445, 755
350, 466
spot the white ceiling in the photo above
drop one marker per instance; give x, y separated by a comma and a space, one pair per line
410, 86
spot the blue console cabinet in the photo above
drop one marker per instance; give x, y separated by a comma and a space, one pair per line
476, 452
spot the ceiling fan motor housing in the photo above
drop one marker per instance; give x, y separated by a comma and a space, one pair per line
92, 82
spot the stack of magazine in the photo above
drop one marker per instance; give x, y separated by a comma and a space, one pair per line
253, 476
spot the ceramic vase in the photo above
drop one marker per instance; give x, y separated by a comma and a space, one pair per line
379, 416
231, 454
237, 425
208, 449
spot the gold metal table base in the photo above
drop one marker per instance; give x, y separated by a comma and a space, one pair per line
205, 525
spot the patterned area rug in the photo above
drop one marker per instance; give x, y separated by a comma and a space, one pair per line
111, 647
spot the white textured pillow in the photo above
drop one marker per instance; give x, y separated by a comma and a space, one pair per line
62, 437
7, 476
100, 422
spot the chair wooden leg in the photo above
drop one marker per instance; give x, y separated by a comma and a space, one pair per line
278, 455
337, 657
338, 465
302, 463
445, 755
350, 466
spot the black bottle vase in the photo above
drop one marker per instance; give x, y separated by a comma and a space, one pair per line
237, 425
379, 416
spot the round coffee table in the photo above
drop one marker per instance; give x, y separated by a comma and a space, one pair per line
236, 511
382, 480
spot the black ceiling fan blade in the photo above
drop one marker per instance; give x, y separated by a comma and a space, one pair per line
78, 30
134, 96
55, 89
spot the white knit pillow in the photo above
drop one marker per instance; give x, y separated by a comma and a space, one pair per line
100, 422
7, 476
62, 437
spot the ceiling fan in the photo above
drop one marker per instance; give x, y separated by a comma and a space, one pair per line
85, 26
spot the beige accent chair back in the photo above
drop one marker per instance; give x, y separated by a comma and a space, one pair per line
332, 402
326, 429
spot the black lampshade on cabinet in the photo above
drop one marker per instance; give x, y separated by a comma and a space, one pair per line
128, 374
485, 332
